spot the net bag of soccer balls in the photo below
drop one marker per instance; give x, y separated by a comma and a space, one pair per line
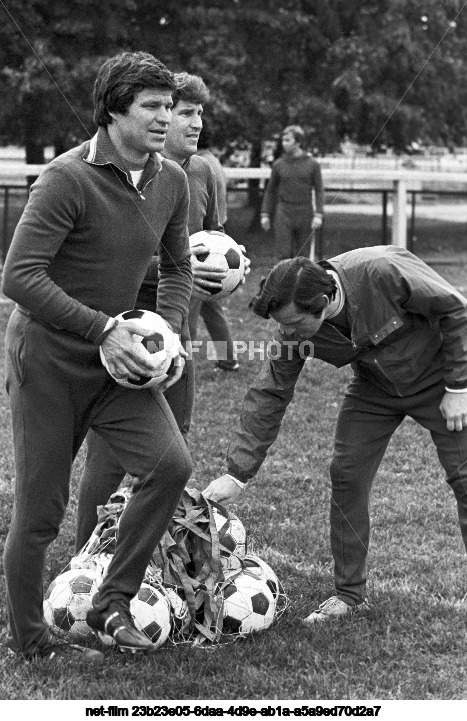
204, 560
200, 585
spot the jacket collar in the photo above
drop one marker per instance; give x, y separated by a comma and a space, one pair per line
101, 151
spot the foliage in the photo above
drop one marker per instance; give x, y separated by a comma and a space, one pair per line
379, 71
47, 81
400, 73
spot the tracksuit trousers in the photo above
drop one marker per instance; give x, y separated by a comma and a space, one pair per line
216, 324
367, 420
292, 230
58, 390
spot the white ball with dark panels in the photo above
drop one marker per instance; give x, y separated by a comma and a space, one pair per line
150, 609
67, 601
249, 604
162, 347
223, 253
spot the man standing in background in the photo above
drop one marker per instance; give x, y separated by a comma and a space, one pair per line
289, 198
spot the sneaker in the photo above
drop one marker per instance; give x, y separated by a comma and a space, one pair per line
227, 365
334, 608
56, 649
116, 621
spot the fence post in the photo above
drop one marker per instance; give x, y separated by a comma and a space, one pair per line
411, 238
4, 245
399, 214
384, 217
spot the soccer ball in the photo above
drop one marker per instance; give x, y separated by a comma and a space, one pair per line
256, 565
232, 538
150, 609
225, 254
248, 605
162, 347
67, 601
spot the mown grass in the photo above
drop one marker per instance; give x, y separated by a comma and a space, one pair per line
411, 646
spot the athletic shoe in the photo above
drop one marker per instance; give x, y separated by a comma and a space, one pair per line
56, 649
116, 621
227, 366
334, 608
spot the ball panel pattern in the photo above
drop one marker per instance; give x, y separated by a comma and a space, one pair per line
224, 254
162, 347
248, 605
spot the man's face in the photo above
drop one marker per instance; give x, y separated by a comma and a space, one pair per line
184, 130
288, 142
293, 321
143, 128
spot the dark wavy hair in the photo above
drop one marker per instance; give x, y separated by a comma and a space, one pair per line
297, 132
190, 88
122, 77
298, 281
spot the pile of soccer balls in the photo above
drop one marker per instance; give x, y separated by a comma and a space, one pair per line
201, 585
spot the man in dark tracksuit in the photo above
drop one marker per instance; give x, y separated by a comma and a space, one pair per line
78, 258
288, 198
103, 472
403, 329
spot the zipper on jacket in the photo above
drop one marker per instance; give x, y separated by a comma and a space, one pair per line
375, 361
146, 185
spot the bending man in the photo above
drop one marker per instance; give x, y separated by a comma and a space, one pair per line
403, 329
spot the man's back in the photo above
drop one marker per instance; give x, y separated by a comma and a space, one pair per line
204, 212
221, 181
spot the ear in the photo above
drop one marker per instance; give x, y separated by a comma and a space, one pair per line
327, 302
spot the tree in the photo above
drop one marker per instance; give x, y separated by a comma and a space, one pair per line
49, 61
400, 73
380, 71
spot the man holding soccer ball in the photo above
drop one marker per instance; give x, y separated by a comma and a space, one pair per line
103, 471
403, 329
95, 218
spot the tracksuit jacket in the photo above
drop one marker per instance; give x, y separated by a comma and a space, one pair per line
81, 249
408, 331
292, 181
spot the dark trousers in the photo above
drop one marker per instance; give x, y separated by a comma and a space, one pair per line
58, 390
366, 422
103, 471
216, 324
292, 230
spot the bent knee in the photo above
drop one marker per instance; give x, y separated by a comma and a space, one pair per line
173, 468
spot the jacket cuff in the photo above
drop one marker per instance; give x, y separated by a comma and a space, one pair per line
240, 478
109, 326
98, 328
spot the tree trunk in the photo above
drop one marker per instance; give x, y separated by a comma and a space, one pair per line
254, 190
60, 145
33, 144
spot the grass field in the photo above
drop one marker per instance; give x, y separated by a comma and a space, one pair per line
411, 646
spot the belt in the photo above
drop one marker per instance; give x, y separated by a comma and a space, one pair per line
306, 204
